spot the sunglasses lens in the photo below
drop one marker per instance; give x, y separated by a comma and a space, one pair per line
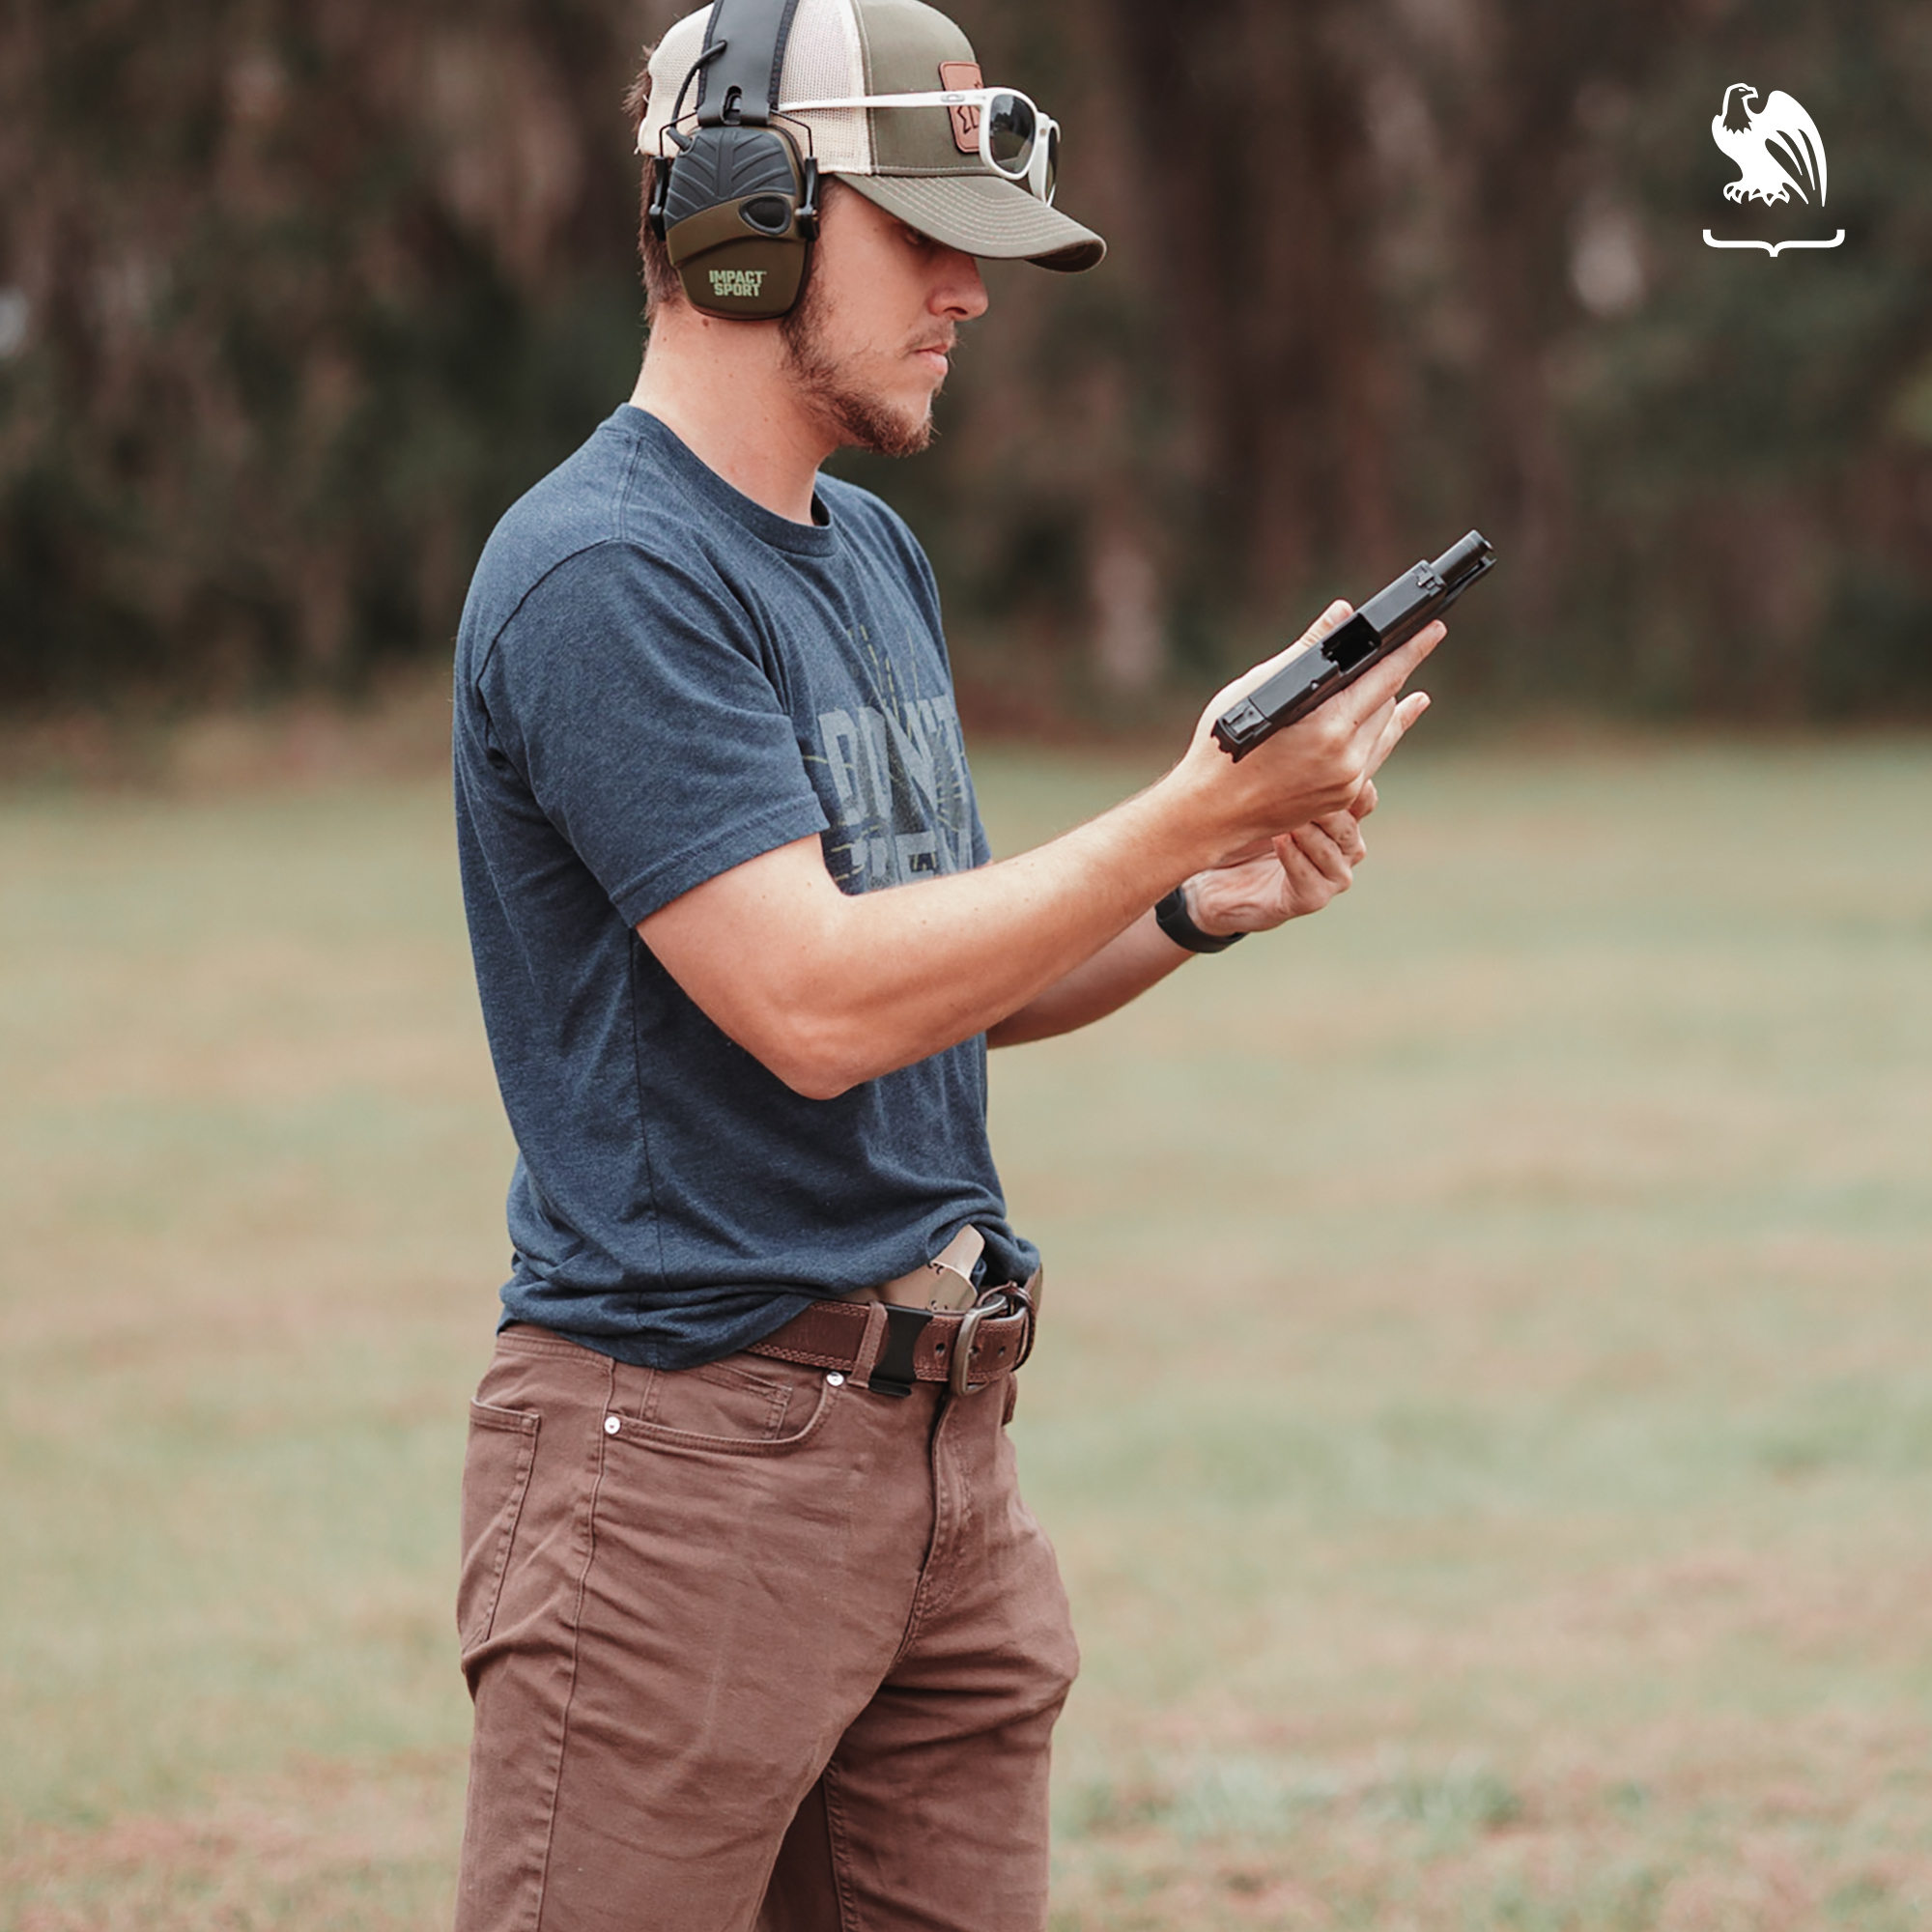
1009, 128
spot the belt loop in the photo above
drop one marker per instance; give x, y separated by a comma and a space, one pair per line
869, 1343
1028, 1295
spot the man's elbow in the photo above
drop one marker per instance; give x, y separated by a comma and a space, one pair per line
818, 1060
815, 1082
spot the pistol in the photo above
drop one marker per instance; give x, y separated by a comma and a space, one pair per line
1387, 621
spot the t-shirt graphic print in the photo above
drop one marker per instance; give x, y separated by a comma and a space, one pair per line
901, 803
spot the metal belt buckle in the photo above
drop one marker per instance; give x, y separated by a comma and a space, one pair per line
998, 1303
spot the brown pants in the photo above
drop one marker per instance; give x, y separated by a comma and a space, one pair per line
751, 1646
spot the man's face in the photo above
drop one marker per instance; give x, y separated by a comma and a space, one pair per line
869, 342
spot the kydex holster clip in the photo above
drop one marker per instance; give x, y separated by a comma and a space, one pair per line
1385, 622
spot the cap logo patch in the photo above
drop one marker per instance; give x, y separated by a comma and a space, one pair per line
955, 77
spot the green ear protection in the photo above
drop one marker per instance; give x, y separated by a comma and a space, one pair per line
737, 205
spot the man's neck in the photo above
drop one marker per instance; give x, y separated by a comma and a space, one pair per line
723, 388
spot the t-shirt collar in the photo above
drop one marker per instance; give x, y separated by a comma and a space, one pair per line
815, 539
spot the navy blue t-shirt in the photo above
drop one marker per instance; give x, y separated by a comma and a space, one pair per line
656, 680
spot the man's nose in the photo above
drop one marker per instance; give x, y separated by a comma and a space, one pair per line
959, 290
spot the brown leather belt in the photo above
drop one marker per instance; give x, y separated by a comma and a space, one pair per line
892, 1348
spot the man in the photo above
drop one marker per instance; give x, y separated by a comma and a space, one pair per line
757, 1628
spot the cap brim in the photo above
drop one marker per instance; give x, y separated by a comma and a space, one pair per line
983, 215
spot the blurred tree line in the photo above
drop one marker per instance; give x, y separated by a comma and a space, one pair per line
296, 296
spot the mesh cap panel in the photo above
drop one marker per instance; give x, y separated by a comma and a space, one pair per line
824, 59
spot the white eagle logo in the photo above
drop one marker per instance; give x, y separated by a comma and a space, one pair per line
1779, 148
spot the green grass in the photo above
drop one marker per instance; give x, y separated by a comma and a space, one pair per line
1485, 1413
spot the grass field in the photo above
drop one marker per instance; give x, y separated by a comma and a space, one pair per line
1530, 1523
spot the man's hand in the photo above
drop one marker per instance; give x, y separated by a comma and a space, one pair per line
1295, 872
1300, 873
1315, 768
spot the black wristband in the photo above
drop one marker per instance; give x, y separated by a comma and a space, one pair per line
1171, 916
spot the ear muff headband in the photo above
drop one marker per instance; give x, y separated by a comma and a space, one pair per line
736, 205
739, 83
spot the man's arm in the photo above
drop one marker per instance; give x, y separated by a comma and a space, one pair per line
1298, 874
829, 989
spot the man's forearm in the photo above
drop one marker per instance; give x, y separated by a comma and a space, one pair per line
1120, 972
834, 988
829, 989
1296, 875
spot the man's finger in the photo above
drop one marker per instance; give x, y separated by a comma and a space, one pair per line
1366, 800
1345, 828
1319, 851
1305, 881
1331, 619
1399, 722
1376, 686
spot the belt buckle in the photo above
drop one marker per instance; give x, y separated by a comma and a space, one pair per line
998, 1303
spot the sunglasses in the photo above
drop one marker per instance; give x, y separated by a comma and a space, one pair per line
1015, 138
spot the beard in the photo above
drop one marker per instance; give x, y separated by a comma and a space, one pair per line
834, 385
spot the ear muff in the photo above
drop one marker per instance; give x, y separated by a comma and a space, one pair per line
739, 212
736, 206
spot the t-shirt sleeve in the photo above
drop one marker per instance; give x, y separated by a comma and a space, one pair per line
633, 696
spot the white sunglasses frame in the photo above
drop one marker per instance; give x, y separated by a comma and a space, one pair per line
1046, 129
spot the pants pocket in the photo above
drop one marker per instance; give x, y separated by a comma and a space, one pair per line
496, 1478
744, 1406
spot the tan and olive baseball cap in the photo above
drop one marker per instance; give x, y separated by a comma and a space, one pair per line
923, 163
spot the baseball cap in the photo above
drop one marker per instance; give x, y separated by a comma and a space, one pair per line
916, 164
